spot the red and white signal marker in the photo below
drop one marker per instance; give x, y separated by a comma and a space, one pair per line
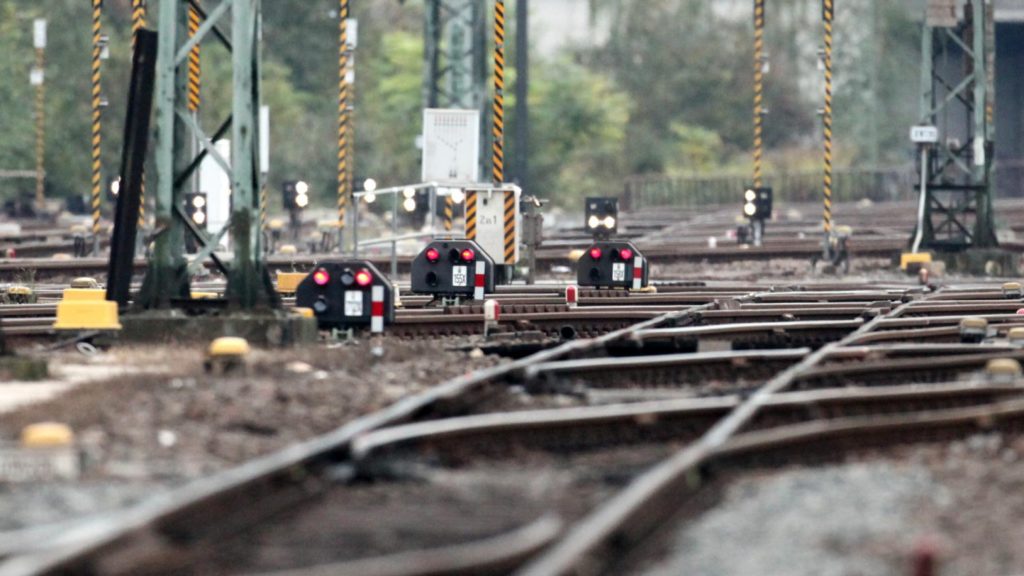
377, 310
479, 280
638, 272
572, 295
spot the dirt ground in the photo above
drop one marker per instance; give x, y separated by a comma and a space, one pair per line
175, 422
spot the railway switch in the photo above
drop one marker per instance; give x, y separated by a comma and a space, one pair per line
86, 309
452, 269
226, 354
912, 262
47, 435
1015, 336
288, 282
973, 329
612, 264
348, 294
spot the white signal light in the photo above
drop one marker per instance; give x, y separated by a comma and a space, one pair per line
115, 187
301, 200
199, 217
593, 222
749, 195
198, 201
409, 192
409, 204
609, 222
749, 209
370, 197
458, 195
301, 187
370, 185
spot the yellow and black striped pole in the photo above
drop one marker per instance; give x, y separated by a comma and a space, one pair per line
510, 228
827, 120
97, 160
344, 121
194, 70
263, 205
758, 89
139, 22
449, 213
471, 215
138, 18
498, 117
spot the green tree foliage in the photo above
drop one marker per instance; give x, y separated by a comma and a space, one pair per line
667, 90
578, 131
684, 65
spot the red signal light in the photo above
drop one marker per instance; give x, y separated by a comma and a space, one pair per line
321, 277
595, 253
433, 255
626, 254
364, 278
468, 255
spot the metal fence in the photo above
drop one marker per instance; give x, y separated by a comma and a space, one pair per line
881, 184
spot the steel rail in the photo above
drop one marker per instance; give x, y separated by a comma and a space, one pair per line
144, 527
523, 429
584, 541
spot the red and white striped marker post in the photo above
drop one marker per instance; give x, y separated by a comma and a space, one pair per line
377, 310
925, 557
572, 295
638, 272
492, 313
479, 280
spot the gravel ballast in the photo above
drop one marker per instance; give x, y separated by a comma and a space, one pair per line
865, 517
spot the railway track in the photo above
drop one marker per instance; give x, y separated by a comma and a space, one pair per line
720, 374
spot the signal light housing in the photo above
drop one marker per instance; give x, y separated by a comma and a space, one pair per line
757, 203
342, 295
321, 277
625, 266
601, 216
453, 268
364, 278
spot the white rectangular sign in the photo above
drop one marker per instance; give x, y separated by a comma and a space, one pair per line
353, 303
39, 33
451, 146
460, 276
264, 139
924, 134
618, 272
214, 181
490, 223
